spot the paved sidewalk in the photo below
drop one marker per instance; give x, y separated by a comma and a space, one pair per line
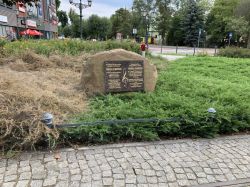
164, 163
167, 57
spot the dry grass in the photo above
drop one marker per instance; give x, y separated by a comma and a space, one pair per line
32, 85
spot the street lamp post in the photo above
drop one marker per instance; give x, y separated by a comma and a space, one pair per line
199, 37
145, 15
205, 38
81, 6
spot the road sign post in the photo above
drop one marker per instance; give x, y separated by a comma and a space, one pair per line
199, 37
134, 33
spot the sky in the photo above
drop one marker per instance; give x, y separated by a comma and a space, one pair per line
103, 8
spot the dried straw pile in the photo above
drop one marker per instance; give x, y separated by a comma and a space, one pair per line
32, 85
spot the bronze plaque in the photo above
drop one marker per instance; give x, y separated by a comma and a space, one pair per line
124, 76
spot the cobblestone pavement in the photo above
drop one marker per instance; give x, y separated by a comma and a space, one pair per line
166, 163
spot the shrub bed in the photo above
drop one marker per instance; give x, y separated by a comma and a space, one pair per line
235, 52
69, 47
186, 89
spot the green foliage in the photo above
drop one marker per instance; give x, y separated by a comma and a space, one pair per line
186, 21
239, 26
121, 23
242, 11
62, 17
58, 3
98, 28
94, 27
67, 31
192, 22
70, 47
75, 25
243, 8
164, 17
219, 21
144, 15
185, 89
176, 34
235, 52
3, 42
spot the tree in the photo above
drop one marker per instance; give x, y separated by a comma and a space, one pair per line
98, 28
62, 17
58, 3
207, 5
176, 34
121, 22
145, 10
240, 28
163, 18
192, 23
218, 21
67, 31
75, 20
243, 11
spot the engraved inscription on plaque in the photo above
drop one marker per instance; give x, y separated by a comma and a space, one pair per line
124, 76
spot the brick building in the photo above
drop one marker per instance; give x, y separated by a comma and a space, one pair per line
40, 16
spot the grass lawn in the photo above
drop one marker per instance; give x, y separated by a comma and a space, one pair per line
186, 88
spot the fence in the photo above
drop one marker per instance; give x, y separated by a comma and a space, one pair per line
180, 50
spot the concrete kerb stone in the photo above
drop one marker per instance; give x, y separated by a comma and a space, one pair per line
236, 183
164, 142
142, 144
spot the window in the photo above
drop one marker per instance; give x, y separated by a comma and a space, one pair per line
40, 10
4, 30
32, 10
1, 31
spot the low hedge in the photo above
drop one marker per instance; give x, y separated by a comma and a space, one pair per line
69, 47
235, 52
206, 127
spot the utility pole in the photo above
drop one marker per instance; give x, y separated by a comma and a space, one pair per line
80, 7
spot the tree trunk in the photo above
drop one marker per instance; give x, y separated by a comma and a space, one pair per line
248, 43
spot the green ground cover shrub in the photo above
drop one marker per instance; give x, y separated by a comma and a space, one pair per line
3, 42
235, 52
185, 89
69, 47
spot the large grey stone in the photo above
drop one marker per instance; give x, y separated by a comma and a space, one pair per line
92, 80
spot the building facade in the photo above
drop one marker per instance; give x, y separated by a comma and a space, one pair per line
40, 16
